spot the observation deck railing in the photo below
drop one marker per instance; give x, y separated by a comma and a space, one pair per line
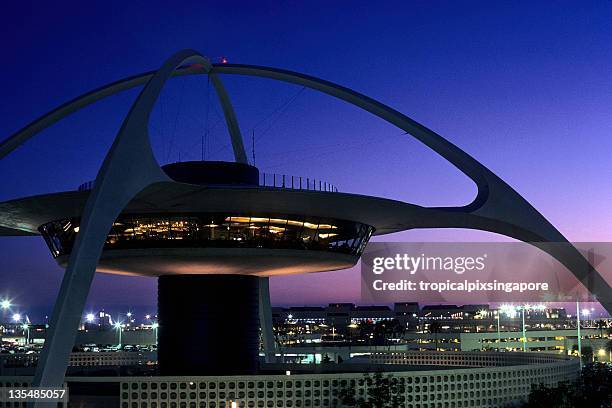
272, 180
295, 182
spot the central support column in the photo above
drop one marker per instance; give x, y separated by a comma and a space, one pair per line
208, 324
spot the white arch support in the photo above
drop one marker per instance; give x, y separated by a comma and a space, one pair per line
128, 168
265, 320
497, 207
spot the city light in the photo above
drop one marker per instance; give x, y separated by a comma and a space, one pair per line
129, 314
586, 312
5, 304
512, 311
508, 310
155, 325
601, 352
118, 326
90, 317
16, 317
25, 326
148, 317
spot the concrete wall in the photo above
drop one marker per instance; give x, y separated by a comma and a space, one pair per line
453, 388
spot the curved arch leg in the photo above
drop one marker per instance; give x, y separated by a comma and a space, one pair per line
230, 119
497, 208
128, 168
265, 319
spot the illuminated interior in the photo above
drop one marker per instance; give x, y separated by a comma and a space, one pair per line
218, 230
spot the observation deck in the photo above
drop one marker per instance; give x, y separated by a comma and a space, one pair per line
198, 239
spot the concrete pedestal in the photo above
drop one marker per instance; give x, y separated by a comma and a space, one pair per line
208, 324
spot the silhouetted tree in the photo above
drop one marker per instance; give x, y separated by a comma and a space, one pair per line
592, 389
545, 397
381, 392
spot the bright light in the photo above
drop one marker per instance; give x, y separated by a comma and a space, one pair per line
290, 317
147, 317
90, 317
233, 404
155, 325
25, 327
287, 372
601, 352
16, 317
5, 304
508, 310
586, 312
118, 325
129, 314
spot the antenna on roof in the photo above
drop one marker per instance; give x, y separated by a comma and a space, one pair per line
253, 145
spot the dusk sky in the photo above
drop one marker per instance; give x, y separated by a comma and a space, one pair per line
524, 87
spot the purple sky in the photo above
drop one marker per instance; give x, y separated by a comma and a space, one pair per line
525, 88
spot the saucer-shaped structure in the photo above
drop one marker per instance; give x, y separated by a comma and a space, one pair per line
210, 230
214, 219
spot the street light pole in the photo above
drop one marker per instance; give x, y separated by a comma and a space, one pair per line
119, 328
578, 333
524, 334
498, 332
155, 326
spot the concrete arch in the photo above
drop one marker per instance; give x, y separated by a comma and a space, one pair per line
128, 168
497, 207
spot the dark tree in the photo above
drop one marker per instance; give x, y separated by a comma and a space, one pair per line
381, 392
592, 389
545, 397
